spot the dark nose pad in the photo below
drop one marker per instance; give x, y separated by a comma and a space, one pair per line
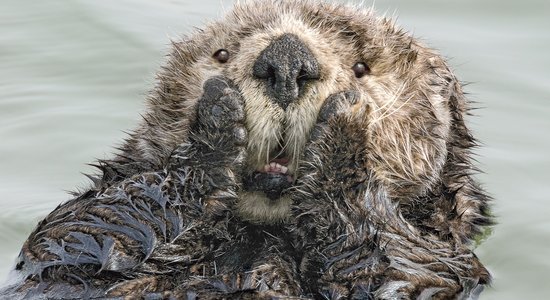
286, 64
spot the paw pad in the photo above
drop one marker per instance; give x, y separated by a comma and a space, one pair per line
336, 104
221, 105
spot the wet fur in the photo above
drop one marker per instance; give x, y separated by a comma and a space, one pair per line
384, 205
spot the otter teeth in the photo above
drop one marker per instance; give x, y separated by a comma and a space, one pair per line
274, 167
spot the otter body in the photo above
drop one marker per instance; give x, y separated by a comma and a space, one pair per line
292, 149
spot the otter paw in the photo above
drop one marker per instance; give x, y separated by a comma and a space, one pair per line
339, 140
218, 136
221, 110
336, 105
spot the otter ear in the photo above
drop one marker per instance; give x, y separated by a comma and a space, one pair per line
467, 205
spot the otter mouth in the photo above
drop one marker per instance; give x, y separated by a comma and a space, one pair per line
272, 179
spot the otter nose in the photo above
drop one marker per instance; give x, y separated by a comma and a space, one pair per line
286, 65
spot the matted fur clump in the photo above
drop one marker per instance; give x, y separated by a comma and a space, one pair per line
292, 149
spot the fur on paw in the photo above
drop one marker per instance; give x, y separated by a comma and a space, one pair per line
218, 135
340, 141
221, 109
339, 108
338, 104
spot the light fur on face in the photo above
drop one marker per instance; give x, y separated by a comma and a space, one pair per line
409, 92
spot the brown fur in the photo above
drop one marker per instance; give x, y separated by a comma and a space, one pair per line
418, 132
384, 188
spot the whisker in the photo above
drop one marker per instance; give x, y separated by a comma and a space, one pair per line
389, 104
281, 143
397, 109
267, 151
396, 96
379, 108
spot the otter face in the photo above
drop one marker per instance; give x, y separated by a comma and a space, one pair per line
287, 57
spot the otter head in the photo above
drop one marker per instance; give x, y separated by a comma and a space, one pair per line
287, 57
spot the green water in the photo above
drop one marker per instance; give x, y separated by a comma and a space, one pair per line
73, 75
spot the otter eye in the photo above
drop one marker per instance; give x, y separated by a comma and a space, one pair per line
221, 55
360, 69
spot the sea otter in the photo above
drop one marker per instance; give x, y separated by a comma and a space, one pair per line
294, 149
